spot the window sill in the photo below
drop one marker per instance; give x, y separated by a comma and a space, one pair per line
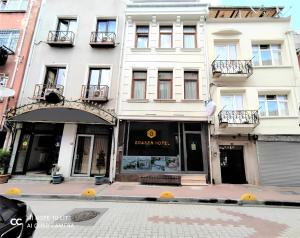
271, 66
278, 117
140, 49
190, 49
164, 100
165, 49
137, 100
12, 11
191, 100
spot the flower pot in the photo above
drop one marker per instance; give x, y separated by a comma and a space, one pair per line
4, 178
99, 180
57, 179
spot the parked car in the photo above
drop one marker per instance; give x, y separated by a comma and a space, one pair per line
16, 219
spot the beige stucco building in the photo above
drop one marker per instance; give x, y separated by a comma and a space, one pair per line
255, 131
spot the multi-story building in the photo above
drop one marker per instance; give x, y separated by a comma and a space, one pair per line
255, 133
163, 125
17, 22
66, 111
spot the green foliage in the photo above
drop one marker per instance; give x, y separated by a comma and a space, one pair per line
4, 160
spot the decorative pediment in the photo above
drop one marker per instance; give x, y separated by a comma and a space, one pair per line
227, 32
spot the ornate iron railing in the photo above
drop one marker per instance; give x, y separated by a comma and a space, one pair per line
239, 117
41, 89
94, 92
103, 38
61, 37
220, 67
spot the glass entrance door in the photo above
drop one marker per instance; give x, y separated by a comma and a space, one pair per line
83, 155
193, 152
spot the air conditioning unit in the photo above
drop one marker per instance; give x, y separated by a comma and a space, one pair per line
97, 93
63, 38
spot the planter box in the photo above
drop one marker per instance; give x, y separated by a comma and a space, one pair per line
161, 179
57, 179
4, 178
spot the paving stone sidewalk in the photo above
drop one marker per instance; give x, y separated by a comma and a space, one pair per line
127, 190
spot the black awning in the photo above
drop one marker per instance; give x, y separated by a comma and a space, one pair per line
59, 115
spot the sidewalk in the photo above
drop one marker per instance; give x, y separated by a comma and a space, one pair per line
136, 191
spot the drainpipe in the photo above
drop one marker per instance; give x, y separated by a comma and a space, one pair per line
8, 137
113, 164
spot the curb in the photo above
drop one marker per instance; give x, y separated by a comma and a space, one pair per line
162, 200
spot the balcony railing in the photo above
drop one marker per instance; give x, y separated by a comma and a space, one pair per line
232, 67
61, 38
94, 93
103, 39
238, 117
41, 90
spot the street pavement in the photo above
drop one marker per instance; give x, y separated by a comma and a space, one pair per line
153, 219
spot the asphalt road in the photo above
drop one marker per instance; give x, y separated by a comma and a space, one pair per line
134, 219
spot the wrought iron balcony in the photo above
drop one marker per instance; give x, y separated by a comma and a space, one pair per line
94, 93
61, 38
232, 67
42, 90
103, 39
238, 117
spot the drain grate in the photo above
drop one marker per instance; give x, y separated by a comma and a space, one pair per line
83, 216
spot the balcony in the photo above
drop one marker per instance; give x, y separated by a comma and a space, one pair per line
49, 93
103, 39
232, 69
61, 38
94, 93
242, 120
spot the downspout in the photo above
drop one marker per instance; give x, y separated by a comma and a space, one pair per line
113, 164
8, 135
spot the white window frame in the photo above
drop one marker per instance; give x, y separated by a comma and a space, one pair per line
271, 52
227, 45
277, 103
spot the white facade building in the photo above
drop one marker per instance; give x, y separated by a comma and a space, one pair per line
164, 82
255, 134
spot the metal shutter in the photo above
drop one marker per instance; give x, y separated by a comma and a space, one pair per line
279, 163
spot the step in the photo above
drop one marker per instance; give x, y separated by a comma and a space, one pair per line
193, 183
193, 180
29, 179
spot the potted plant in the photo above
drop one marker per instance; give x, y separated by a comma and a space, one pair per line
56, 178
4, 164
99, 163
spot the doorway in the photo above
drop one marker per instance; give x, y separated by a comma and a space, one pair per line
193, 152
232, 164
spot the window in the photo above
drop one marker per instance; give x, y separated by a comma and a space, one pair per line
13, 5
106, 25
232, 102
226, 51
9, 39
165, 84
67, 25
139, 79
273, 105
142, 36
267, 54
55, 76
165, 34
191, 85
189, 37
99, 76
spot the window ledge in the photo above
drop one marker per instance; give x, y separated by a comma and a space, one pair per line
12, 11
191, 100
165, 100
141, 49
271, 66
165, 49
190, 49
278, 117
137, 100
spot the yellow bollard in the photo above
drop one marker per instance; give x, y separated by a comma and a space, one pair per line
166, 195
248, 197
13, 192
89, 192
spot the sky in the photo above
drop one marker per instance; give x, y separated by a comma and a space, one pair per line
291, 7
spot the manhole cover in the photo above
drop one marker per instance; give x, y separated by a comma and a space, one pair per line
83, 216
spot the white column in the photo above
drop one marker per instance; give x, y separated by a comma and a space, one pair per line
14, 151
66, 149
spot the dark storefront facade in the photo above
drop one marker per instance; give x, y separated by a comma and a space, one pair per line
161, 147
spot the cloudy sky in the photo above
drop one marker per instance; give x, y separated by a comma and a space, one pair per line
291, 7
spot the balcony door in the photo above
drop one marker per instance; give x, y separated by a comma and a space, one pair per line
226, 51
98, 83
67, 25
106, 25
233, 106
